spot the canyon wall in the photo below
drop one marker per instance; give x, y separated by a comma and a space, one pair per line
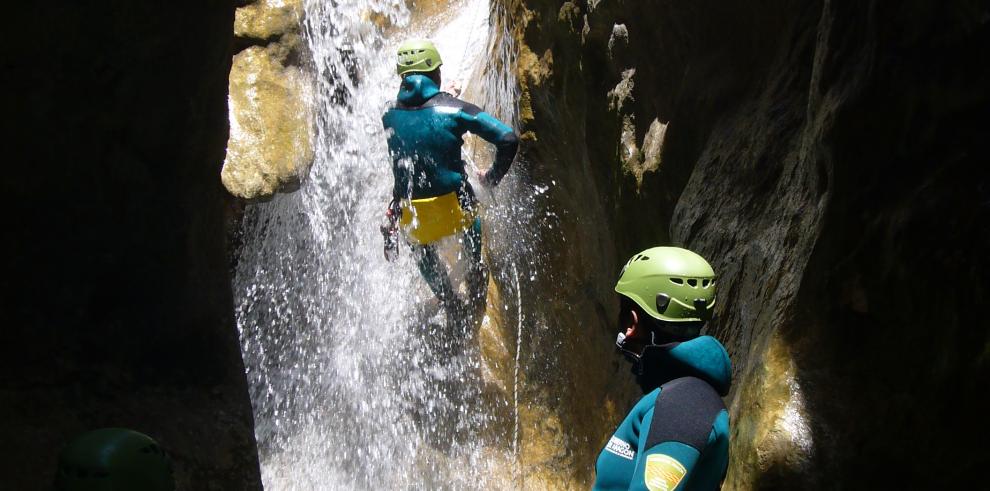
116, 291
828, 158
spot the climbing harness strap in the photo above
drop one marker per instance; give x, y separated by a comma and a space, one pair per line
427, 220
684, 412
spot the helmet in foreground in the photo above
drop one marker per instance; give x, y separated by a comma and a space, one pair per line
113, 459
670, 284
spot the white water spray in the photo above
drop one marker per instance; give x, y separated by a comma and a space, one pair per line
351, 378
515, 373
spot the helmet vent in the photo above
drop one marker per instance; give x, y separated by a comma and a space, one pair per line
662, 301
693, 282
644, 258
677, 281
704, 283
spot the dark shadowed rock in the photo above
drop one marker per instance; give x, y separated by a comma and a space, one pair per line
828, 158
117, 304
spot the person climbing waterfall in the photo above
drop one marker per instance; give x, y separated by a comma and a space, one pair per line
431, 195
112, 459
677, 435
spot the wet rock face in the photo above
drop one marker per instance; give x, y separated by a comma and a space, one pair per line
271, 126
827, 158
117, 305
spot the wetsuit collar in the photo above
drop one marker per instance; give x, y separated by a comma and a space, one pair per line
416, 89
702, 357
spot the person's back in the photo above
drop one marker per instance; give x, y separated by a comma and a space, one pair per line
431, 195
427, 129
677, 435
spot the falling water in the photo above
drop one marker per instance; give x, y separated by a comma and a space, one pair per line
352, 374
515, 368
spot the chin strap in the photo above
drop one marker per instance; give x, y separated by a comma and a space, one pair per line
632, 356
647, 365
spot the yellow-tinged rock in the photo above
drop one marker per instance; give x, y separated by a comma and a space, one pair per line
637, 161
428, 8
497, 344
270, 147
771, 433
544, 460
266, 19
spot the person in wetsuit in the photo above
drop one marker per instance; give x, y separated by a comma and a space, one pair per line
677, 436
431, 195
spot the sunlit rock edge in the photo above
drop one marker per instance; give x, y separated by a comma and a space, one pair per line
270, 149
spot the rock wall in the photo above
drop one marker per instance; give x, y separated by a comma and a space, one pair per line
271, 119
827, 158
117, 306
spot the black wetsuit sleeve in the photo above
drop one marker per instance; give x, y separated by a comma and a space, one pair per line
495, 132
396, 171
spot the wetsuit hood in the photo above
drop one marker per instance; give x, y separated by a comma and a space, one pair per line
702, 357
416, 89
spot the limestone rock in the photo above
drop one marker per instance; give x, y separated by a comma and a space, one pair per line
622, 93
268, 19
776, 422
828, 158
652, 149
270, 147
570, 14
618, 40
640, 161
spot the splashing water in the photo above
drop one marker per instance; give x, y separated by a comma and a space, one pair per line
353, 380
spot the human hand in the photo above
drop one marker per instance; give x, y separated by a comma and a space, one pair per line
393, 212
390, 234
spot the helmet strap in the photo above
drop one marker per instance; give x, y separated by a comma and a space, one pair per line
632, 356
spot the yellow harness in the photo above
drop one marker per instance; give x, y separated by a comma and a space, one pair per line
435, 218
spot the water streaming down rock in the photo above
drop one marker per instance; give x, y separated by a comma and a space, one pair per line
351, 378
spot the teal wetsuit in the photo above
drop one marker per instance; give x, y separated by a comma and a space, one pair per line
426, 129
677, 436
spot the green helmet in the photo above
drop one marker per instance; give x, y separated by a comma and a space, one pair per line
417, 55
670, 284
113, 459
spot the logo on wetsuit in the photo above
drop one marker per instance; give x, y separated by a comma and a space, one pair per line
663, 472
620, 448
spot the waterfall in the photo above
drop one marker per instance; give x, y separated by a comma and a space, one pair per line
351, 377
